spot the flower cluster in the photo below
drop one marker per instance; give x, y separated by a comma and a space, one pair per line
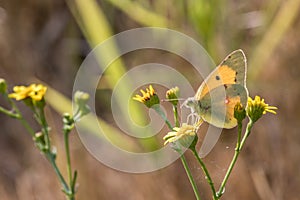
34, 91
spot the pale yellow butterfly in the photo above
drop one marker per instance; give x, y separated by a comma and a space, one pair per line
217, 96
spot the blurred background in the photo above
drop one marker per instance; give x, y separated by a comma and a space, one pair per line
46, 41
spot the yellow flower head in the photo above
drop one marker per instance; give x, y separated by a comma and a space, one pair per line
149, 97
257, 107
34, 91
37, 91
184, 134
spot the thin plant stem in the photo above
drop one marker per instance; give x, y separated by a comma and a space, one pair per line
67, 149
74, 182
42, 120
248, 131
17, 115
207, 175
238, 148
51, 159
190, 176
176, 119
9, 113
162, 114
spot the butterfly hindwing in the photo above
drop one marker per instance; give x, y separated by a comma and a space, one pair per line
217, 106
232, 70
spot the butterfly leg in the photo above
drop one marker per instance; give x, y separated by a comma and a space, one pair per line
193, 118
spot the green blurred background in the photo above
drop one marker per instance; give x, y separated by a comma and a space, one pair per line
47, 41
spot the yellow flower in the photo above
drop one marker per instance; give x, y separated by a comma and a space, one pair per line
149, 97
37, 91
20, 92
184, 134
34, 91
257, 107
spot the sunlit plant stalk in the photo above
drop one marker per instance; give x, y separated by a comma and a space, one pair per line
33, 97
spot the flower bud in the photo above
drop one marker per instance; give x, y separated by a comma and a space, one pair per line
239, 112
172, 95
3, 86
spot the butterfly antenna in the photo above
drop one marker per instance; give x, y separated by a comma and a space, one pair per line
168, 100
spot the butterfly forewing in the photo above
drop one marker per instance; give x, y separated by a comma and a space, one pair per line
231, 71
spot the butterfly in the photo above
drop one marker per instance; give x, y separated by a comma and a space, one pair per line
224, 87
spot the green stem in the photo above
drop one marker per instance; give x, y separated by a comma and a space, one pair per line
51, 159
176, 119
17, 115
238, 148
189, 174
40, 117
69, 168
9, 113
207, 175
74, 182
162, 114
248, 131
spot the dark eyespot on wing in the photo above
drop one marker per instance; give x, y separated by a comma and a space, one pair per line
217, 78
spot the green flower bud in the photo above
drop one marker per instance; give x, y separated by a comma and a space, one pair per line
239, 112
3, 86
172, 95
81, 100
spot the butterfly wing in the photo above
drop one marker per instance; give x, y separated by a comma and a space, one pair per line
232, 70
217, 106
